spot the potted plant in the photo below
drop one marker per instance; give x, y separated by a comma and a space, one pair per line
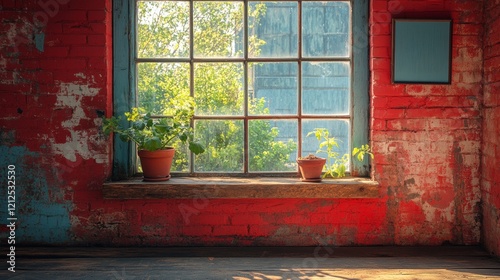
154, 138
311, 168
334, 165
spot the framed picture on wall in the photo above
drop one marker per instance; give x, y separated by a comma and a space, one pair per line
421, 51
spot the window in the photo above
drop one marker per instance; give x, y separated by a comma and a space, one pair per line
262, 75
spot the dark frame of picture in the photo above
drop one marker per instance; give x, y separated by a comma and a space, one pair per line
421, 51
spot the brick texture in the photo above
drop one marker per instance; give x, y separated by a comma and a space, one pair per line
491, 136
427, 137
429, 141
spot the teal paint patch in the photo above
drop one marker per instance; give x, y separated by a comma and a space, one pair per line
42, 218
40, 41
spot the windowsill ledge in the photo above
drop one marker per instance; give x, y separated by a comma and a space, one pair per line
189, 188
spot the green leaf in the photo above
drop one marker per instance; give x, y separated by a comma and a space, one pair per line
183, 137
152, 144
196, 148
139, 125
124, 137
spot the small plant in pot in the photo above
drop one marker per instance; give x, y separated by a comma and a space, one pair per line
154, 138
334, 165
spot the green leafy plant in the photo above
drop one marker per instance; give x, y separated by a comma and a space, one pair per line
360, 153
153, 134
336, 165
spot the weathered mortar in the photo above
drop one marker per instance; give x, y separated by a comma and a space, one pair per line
55, 79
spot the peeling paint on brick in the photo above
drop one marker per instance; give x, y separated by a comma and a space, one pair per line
41, 217
427, 140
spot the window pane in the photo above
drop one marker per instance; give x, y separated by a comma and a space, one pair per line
336, 128
272, 145
161, 85
272, 88
326, 88
326, 29
223, 141
218, 88
218, 29
273, 29
162, 29
230, 109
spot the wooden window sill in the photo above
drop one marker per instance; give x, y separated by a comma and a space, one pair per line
189, 188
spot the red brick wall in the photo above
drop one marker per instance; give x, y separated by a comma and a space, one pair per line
427, 137
491, 134
427, 141
55, 80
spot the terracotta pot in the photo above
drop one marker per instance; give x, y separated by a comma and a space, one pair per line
311, 169
156, 164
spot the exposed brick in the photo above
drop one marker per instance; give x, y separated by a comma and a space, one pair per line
467, 29
67, 39
262, 230
209, 219
378, 29
380, 102
383, 64
441, 112
389, 90
405, 102
93, 5
75, 15
405, 124
381, 41
389, 114
87, 51
230, 231
197, 230
460, 41
382, 52
97, 40
98, 16
11, 100
451, 101
378, 124
247, 219
56, 51
379, 5
64, 64
381, 17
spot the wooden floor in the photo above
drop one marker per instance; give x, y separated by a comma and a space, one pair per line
320, 262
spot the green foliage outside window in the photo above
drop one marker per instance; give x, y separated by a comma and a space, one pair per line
163, 31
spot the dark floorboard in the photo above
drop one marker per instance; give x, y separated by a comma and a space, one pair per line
241, 263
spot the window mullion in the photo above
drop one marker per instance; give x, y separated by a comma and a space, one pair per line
191, 72
246, 144
299, 80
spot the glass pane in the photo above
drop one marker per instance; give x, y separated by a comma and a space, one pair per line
218, 29
223, 141
272, 88
162, 29
272, 145
218, 88
162, 85
339, 129
326, 29
273, 29
326, 88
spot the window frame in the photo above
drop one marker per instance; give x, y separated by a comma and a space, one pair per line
124, 85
